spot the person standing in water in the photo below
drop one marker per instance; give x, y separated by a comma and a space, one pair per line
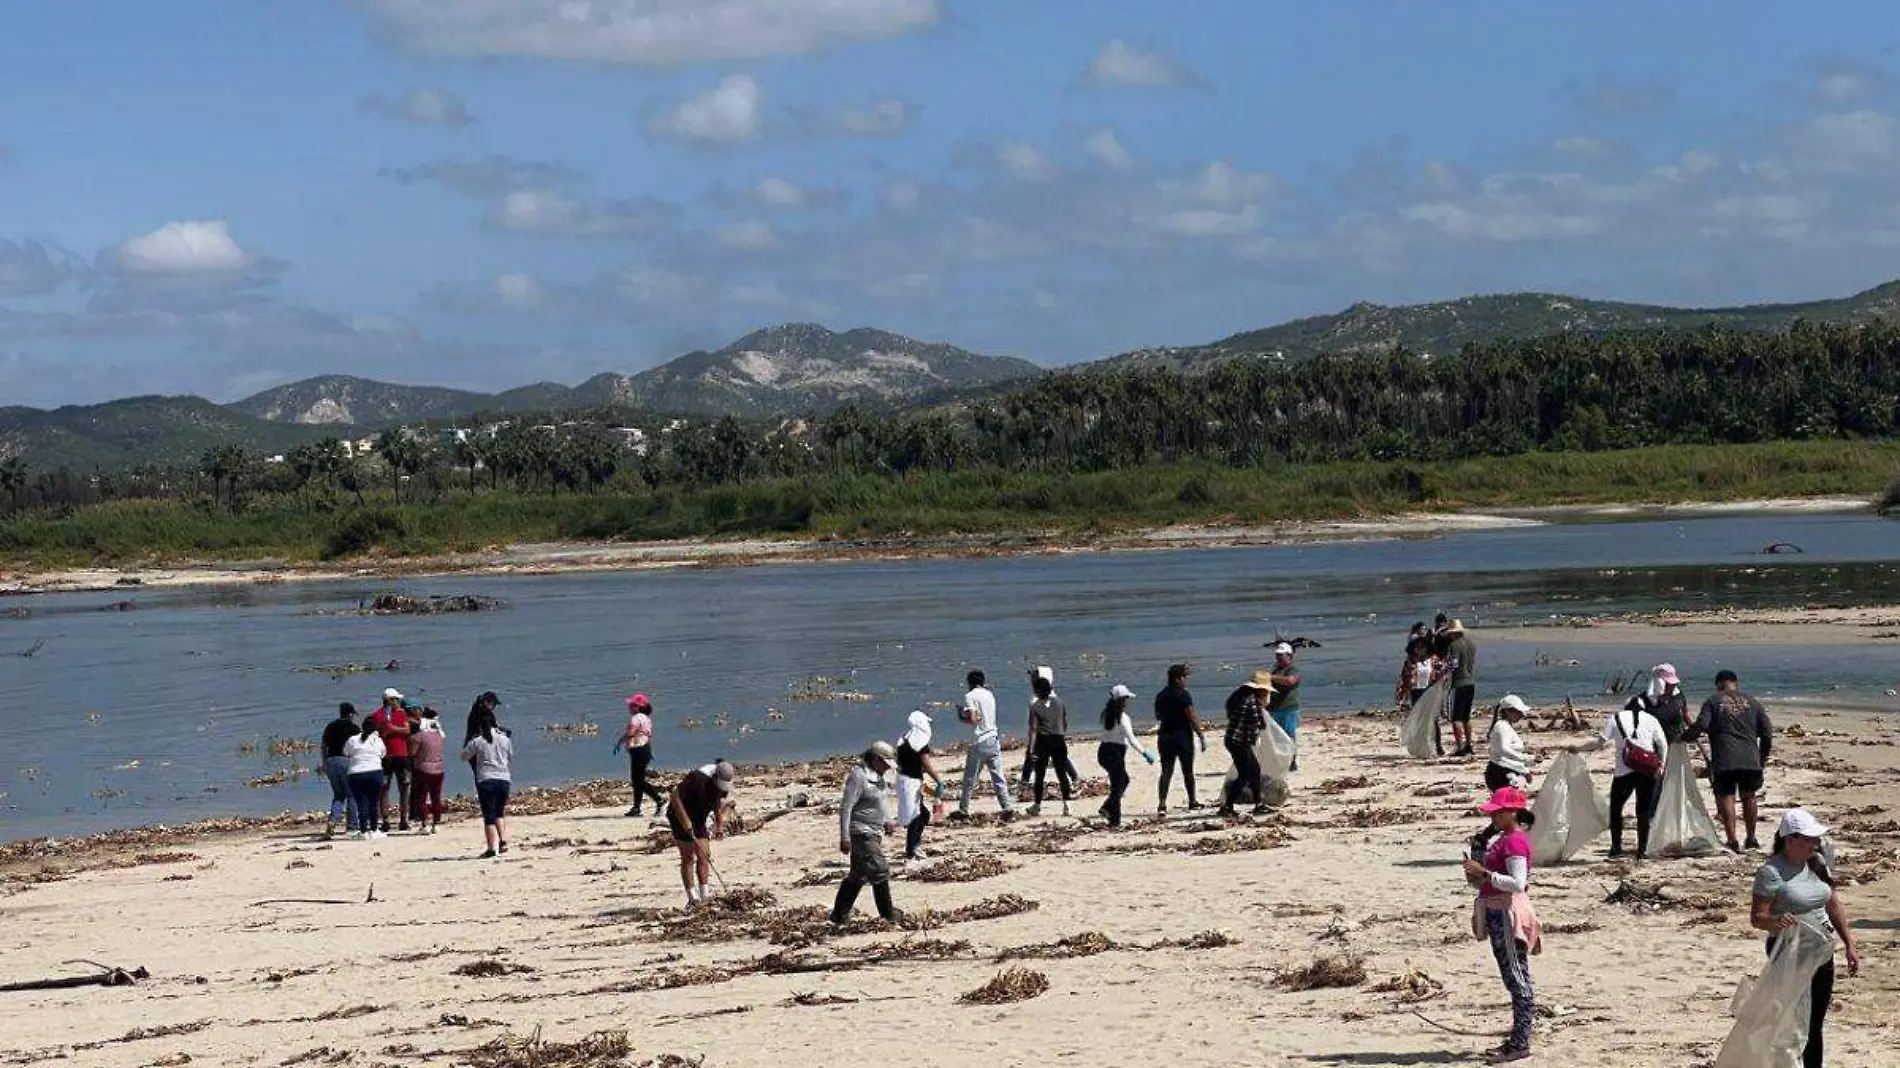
699, 796
985, 754
427, 753
365, 752
637, 740
1795, 886
1180, 732
1461, 660
1246, 719
336, 767
1118, 737
1049, 740
492, 754
914, 764
392, 722
1503, 914
863, 821
1284, 703
1740, 741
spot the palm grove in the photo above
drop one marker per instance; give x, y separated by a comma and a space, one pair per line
1558, 394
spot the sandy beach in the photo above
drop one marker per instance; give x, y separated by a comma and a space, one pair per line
1179, 940
1817, 625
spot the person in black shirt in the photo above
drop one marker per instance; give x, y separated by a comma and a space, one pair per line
336, 766
1180, 730
1665, 701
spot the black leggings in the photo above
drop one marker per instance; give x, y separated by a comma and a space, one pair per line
1053, 748
1114, 759
639, 759
914, 831
1622, 788
1248, 778
1177, 748
1819, 995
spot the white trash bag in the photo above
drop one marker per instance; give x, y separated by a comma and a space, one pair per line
1570, 814
1771, 1013
1418, 732
1275, 752
1682, 827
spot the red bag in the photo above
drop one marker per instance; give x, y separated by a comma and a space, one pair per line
1640, 760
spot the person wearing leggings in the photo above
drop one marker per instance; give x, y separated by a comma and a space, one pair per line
914, 764
637, 740
1246, 719
1796, 886
365, 752
1049, 741
1118, 736
1632, 730
1180, 732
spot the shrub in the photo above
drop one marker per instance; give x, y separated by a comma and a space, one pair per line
363, 529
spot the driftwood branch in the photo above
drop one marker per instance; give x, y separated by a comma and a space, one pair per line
107, 976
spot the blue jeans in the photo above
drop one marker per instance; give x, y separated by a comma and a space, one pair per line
366, 791
493, 795
337, 770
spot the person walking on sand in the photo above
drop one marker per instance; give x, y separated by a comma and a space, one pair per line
1461, 662
1510, 763
1284, 703
1641, 752
1118, 737
1049, 740
336, 767
427, 751
1740, 741
1246, 719
700, 795
915, 763
863, 821
1503, 915
364, 751
392, 722
637, 740
1180, 733
1795, 886
492, 754
985, 754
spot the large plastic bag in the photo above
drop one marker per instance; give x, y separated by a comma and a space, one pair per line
1569, 813
1771, 1013
1275, 751
1419, 730
1682, 827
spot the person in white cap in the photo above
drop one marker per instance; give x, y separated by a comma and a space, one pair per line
1795, 886
914, 764
863, 821
1118, 737
986, 748
699, 795
1049, 739
1510, 763
392, 721
1284, 703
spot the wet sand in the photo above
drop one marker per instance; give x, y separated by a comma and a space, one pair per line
1820, 625
577, 932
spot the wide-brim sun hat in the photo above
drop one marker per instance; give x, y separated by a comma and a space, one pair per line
1456, 626
1506, 797
1260, 680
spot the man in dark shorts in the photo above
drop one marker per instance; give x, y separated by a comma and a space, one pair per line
1180, 731
1461, 660
1740, 739
700, 796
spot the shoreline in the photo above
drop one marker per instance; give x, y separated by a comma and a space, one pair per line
557, 558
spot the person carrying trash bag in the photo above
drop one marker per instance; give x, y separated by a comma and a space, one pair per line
1262, 753
1418, 731
1569, 812
1641, 752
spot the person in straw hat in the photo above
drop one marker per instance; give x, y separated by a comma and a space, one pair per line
863, 821
1461, 662
1246, 718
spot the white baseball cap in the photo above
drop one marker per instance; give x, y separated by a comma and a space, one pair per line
1802, 822
1514, 703
392, 694
1283, 649
1119, 692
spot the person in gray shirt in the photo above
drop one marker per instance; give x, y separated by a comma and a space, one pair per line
1049, 741
1740, 739
863, 821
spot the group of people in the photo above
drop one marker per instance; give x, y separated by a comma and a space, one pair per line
395, 761
1442, 652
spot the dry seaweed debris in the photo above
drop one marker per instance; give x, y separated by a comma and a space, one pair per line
917, 949
1332, 970
1263, 838
814, 998
1341, 785
1412, 985
967, 869
1579, 927
491, 969
1203, 940
1010, 984
1657, 897
993, 908
602, 1049
1049, 839
1086, 944
820, 877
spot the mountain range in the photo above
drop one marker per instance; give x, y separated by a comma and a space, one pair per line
797, 368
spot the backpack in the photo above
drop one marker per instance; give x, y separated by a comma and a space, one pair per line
1642, 761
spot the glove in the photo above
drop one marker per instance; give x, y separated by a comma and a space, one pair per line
1149, 757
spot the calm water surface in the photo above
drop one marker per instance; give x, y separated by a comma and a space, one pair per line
164, 713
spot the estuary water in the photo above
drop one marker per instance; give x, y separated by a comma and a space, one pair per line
166, 712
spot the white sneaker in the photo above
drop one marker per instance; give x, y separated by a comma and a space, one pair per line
356, 836
377, 835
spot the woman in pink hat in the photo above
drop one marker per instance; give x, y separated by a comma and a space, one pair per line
1503, 914
637, 740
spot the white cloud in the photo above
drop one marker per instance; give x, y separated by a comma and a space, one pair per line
424, 106
749, 235
1842, 86
886, 117
184, 248
1120, 63
1502, 222
656, 33
1025, 161
1583, 147
779, 193
729, 113
1106, 149
1222, 186
557, 214
1845, 141
1780, 216
916, 285
1208, 222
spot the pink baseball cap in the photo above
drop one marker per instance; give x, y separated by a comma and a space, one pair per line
1505, 797
639, 700
1666, 673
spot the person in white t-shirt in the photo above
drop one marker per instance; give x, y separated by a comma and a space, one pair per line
1510, 763
1641, 751
986, 748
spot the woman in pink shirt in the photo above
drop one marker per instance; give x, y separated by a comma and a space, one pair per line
426, 749
637, 740
1503, 914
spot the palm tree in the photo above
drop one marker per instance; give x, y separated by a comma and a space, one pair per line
13, 478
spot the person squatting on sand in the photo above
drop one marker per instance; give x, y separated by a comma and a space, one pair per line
986, 747
863, 821
698, 796
1503, 915
1180, 731
914, 764
1118, 737
1641, 751
491, 752
1795, 886
1246, 719
1740, 741
1510, 763
1048, 739
637, 740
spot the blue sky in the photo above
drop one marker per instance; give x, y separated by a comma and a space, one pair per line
215, 196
